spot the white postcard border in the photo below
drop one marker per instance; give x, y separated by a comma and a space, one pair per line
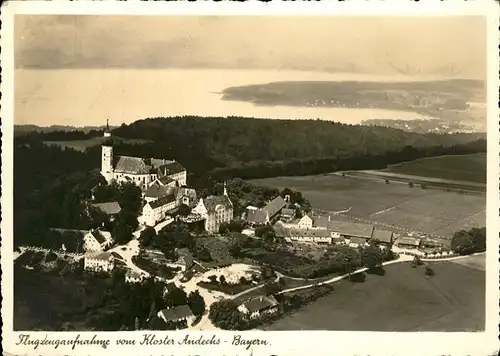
281, 343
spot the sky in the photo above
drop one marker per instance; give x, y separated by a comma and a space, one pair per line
376, 45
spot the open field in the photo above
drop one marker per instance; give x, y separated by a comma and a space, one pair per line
82, 145
470, 168
404, 299
476, 261
426, 210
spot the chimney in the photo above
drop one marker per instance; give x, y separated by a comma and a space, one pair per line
261, 299
329, 218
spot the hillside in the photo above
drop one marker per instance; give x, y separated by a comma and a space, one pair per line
235, 139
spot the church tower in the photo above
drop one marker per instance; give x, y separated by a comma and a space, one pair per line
225, 189
107, 154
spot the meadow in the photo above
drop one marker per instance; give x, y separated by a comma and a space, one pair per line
404, 299
432, 211
470, 168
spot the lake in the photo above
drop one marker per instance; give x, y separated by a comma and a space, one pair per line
82, 97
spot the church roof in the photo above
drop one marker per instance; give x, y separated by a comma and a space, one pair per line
131, 165
213, 200
139, 165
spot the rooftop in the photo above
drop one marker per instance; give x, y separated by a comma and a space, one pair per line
409, 241
103, 256
382, 235
256, 216
101, 236
260, 303
176, 313
274, 206
162, 201
321, 232
212, 201
109, 208
346, 228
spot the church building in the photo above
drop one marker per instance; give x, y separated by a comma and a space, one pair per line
141, 171
215, 210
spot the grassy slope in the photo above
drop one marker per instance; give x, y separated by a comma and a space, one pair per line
402, 300
470, 168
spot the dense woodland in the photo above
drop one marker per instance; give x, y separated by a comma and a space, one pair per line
51, 183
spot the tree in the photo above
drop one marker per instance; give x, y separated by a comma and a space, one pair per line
478, 239
184, 210
423, 186
348, 259
272, 288
196, 303
222, 279
224, 228
175, 297
416, 262
122, 233
387, 181
213, 278
225, 315
429, 271
462, 243
147, 236
410, 184
371, 256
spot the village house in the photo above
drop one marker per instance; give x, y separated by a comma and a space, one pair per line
140, 171
383, 237
177, 314
268, 214
134, 277
158, 190
258, 306
111, 209
306, 222
97, 241
215, 210
287, 214
408, 242
103, 261
316, 235
185, 260
155, 211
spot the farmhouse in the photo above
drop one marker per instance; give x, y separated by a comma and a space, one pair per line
111, 209
384, 237
97, 241
140, 171
154, 211
268, 214
215, 210
103, 261
177, 314
408, 242
316, 235
258, 306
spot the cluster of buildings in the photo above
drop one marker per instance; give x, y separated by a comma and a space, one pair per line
164, 186
324, 229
